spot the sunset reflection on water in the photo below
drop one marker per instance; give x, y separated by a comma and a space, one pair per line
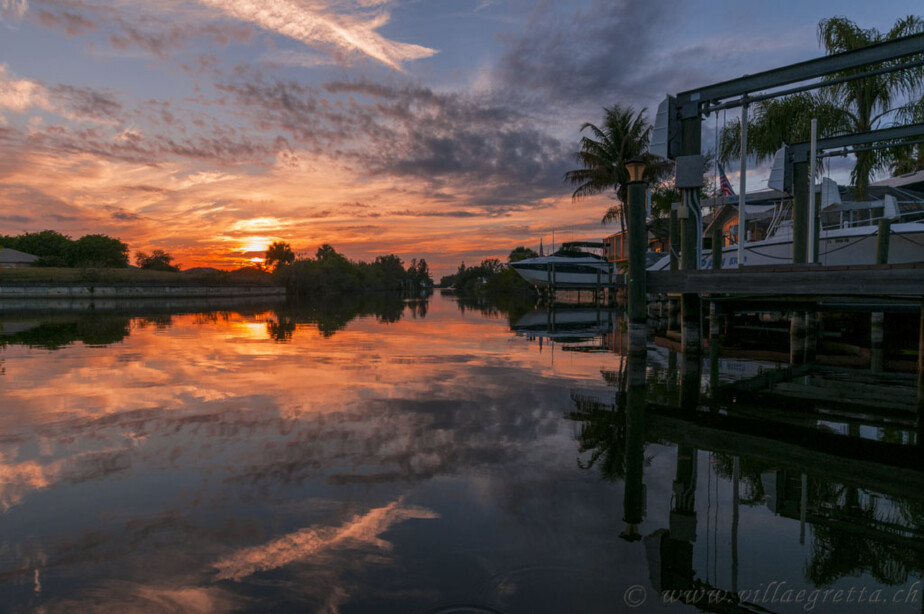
200, 456
396, 455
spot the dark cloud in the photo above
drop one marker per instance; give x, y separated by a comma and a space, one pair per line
73, 24
607, 49
129, 26
87, 102
440, 141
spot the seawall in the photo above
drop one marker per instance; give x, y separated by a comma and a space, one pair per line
131, 291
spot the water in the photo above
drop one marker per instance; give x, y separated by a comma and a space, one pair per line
423, 456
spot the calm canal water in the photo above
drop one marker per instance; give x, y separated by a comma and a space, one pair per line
395, 456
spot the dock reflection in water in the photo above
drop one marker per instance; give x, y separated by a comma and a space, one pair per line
416, 456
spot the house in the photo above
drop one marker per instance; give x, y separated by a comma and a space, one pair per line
15, 259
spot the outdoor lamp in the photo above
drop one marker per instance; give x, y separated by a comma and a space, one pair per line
636, 168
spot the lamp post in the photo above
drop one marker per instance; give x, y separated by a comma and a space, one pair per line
638, 303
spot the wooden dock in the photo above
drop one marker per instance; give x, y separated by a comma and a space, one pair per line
885, 280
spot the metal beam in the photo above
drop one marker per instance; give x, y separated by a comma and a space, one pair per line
799, 152
803, 71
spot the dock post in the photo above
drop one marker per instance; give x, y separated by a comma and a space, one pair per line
691, 234
797, 338
638, 293
674, 239
882, 242
800, 213
634, 493
716, 247
921, 380
877, 319
714, 346
876, 338
811, 336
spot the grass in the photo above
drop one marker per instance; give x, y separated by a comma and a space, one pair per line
241, 277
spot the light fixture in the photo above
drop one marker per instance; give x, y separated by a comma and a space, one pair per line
636, 168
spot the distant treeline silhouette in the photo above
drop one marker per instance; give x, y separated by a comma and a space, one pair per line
330, 271
491, 277
59, 250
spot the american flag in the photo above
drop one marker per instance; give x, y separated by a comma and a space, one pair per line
724, 184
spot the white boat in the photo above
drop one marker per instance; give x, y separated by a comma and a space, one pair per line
567, 268
848, 236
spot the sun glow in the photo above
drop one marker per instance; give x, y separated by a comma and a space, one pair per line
255, 244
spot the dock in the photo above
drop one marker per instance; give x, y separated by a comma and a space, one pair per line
880, 280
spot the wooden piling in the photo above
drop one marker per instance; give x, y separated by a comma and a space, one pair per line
797, 338
877, 336
811, 336
882, 242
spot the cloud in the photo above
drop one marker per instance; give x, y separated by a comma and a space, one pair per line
347, 34
13, 8
362, 531
20, 94
74, 24
596, 51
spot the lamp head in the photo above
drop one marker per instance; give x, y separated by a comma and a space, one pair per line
636, 168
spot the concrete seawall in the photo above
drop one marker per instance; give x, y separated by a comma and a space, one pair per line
117, 291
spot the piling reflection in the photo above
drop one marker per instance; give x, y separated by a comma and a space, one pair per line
845, 471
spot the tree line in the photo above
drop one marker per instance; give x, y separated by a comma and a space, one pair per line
59, 250
55, 249
331, 271
491, 277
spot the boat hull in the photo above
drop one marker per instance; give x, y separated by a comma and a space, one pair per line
565, 272
841, 247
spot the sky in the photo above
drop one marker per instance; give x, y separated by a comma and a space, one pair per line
436, 129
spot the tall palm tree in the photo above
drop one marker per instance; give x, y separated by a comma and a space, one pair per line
859, 105
623, 135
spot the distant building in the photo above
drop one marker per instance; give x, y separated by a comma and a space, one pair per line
15, 259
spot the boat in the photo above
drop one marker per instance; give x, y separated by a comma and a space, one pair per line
848, 234
569, 267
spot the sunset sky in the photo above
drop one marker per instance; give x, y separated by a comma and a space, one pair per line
427, 128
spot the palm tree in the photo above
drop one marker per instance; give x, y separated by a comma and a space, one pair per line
279, 254
624, 135
859, 105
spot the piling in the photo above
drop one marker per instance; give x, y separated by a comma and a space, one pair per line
921, 378
882, 242
716, 247
674, 239
634, 493
877, 336
797, 338
638, 302
811, 336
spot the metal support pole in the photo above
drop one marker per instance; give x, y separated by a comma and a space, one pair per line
638, 303
690, 333
743, 185
674, 239
800, 174
811, 194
